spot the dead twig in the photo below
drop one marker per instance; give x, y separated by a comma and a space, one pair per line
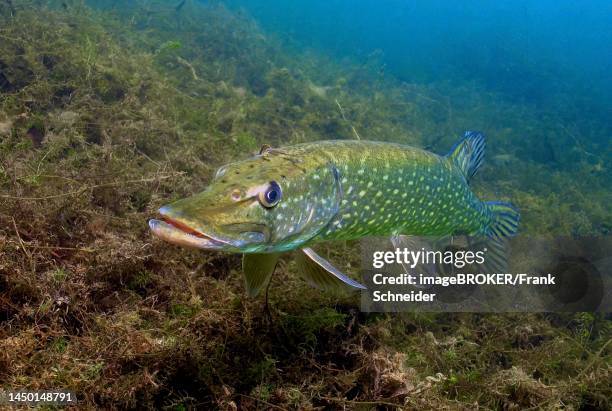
345, 119
278, 407
189, 66
345, 401
23, 247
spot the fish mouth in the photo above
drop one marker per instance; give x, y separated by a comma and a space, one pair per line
183, 227
238, 236
177, 232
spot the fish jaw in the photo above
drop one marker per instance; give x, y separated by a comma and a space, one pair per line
175, 235
172, 226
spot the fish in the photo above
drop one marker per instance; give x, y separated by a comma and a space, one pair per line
290, 198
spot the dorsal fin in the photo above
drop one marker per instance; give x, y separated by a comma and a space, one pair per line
265, 148
468, 154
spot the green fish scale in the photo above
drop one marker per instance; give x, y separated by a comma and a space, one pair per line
389, 189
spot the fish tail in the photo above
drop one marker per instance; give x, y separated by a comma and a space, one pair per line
504, 220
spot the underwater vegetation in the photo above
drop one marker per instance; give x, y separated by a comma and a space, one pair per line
109, 110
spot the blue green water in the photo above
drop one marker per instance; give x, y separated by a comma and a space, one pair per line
535, 52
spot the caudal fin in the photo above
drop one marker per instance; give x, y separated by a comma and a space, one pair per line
504, 220
503, 225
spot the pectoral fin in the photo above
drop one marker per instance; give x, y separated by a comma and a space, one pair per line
321, 274
258, 269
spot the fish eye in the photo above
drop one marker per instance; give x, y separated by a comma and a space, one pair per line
271, 195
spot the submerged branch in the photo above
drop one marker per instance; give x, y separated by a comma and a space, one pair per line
345, 119
189, 66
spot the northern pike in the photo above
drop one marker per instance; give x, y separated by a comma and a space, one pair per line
290, 198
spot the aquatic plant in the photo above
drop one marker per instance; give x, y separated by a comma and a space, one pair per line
97, 130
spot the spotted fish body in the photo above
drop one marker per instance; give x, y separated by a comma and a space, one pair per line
390, 189
292, 197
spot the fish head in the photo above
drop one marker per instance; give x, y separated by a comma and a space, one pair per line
264, 204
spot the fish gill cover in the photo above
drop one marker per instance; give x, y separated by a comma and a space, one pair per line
108, 110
